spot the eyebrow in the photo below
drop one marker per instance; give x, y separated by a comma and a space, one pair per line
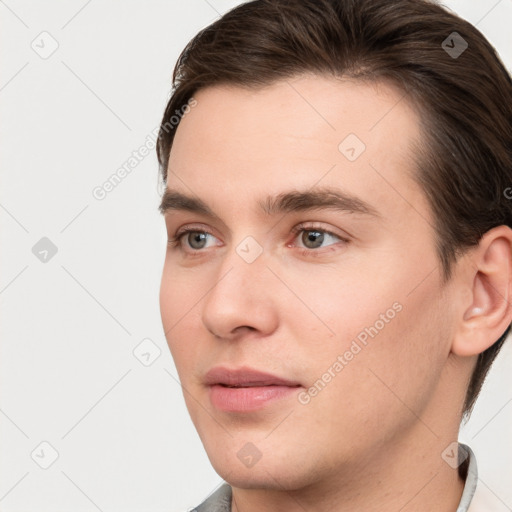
286, 202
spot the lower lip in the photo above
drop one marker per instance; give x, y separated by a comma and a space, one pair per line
248, 399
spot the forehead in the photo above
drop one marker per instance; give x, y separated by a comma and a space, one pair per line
239, 143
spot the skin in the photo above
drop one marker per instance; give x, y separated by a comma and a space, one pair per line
372, 438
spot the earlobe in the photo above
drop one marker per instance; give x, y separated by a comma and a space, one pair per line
489, 313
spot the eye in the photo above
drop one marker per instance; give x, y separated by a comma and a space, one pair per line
192, 239
197, 239
314, 237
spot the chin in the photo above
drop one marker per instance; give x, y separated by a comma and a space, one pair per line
262, 478
251, 481
270, 472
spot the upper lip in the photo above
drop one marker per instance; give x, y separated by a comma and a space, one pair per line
244, 377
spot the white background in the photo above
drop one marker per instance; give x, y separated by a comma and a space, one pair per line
69, 326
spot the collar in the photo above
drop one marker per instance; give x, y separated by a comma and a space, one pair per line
471, 479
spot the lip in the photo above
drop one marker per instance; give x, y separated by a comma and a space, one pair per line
245, 377
246, 389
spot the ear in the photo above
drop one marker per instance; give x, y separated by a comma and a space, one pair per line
486, 311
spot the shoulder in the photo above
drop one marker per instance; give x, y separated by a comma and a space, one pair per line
218, 501
484, 500
477, 497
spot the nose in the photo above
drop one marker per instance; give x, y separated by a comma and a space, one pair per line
241, 299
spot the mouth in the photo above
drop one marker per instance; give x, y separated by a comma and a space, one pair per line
246, 389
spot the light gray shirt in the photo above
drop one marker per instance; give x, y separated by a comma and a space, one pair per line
220, 500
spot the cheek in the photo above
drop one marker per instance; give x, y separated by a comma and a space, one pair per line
405, 360
339, 304
179, 296
388, 336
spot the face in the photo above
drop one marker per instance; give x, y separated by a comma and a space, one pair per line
301, 294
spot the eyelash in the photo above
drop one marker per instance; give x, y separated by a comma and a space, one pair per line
176, 241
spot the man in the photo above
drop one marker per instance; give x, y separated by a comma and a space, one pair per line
338, 276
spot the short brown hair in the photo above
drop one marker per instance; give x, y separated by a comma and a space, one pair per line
465, 100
